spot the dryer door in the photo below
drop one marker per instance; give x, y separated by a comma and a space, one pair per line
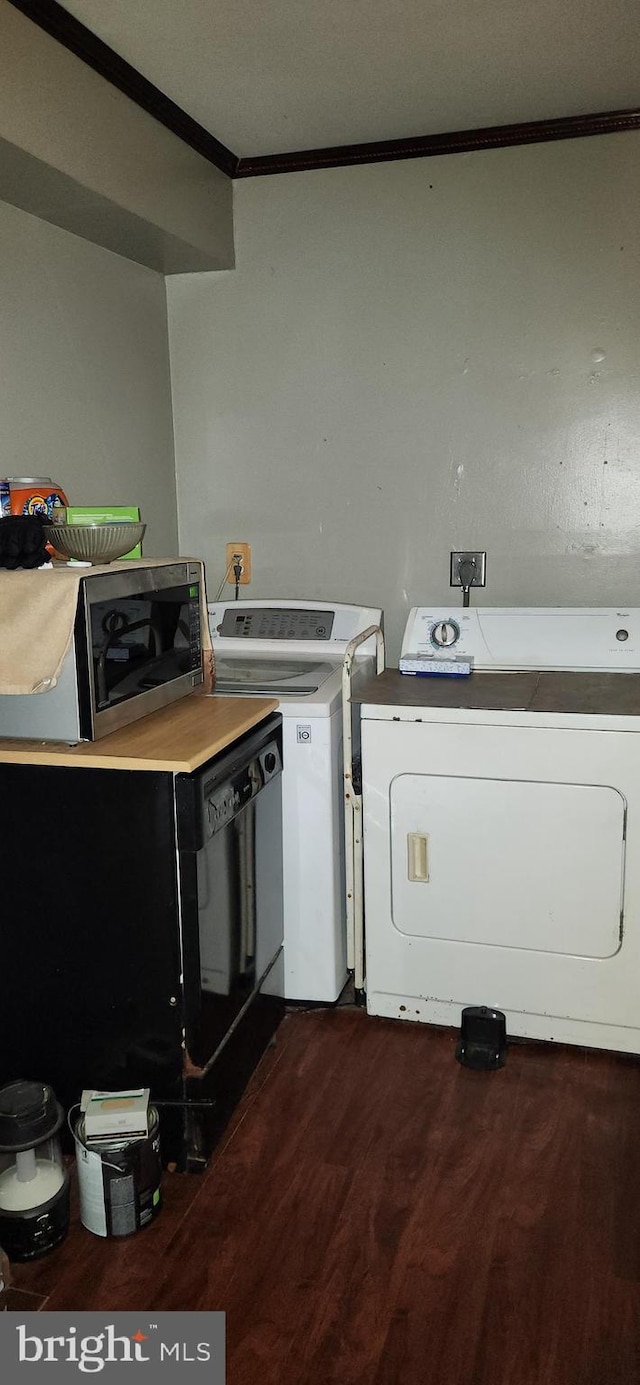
513, 864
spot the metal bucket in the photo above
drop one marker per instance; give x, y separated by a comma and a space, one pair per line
119, 1180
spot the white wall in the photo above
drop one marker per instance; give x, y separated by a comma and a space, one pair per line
414, 357
84, 371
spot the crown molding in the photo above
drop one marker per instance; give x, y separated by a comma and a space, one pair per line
456, 142
68, 30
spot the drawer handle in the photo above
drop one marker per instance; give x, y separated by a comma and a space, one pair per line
418, 856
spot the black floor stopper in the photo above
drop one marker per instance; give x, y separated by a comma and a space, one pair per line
483, 1039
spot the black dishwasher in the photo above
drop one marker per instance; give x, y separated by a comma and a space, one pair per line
229, 831
141, 931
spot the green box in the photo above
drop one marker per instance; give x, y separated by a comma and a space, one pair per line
106, 514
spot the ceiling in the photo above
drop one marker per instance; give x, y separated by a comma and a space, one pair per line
286, 75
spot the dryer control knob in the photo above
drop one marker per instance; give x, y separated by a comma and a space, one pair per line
445, 633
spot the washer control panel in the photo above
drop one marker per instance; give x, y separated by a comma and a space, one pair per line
276, 623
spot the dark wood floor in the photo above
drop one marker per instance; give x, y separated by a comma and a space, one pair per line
377, 1214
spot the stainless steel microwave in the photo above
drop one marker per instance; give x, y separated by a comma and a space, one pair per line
136, 647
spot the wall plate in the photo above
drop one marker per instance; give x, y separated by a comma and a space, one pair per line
480, 574
244, 552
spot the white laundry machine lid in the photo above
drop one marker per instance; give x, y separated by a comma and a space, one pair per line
532, 666
278, 677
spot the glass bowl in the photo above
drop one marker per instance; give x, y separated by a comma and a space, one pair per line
94, 543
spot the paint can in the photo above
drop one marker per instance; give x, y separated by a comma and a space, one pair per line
119, 1180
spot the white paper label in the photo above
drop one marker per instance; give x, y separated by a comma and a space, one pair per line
93, 1212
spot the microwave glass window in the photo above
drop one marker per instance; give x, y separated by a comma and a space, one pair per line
144, 641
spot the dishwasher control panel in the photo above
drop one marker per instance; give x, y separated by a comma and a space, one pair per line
223, 801
220, 808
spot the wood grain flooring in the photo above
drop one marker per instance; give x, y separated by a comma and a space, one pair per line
377, 1214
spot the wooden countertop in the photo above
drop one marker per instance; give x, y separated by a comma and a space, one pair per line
178, 738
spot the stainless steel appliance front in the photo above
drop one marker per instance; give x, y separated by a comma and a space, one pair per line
136, 647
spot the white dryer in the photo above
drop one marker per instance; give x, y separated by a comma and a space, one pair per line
502, 825
294, 650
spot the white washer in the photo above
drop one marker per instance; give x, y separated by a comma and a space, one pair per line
294, 650
502, 825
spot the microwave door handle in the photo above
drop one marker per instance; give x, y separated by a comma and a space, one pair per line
113, 625
101, 674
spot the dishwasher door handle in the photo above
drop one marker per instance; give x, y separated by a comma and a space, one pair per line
246, 829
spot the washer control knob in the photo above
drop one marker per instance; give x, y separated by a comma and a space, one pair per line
445, 633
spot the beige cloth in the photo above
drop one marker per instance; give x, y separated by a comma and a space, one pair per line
37, 616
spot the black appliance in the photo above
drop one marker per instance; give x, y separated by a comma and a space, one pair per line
141, 931
34, 1184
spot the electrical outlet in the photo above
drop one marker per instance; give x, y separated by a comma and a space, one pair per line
239, 552
479, 578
